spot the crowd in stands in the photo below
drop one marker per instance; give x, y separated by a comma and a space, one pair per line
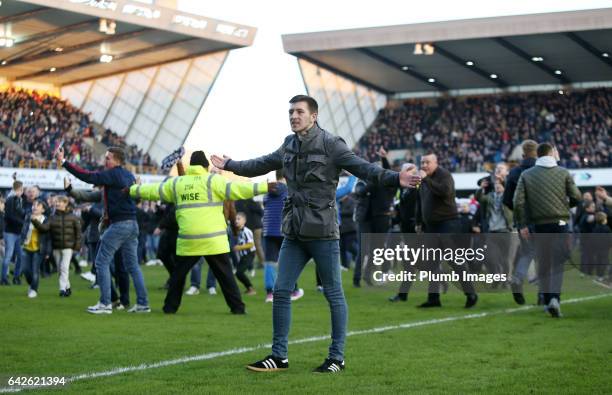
467, 133
39, 122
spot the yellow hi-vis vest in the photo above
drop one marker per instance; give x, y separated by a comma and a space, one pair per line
199, 197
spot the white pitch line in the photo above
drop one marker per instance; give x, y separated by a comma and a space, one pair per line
242, 350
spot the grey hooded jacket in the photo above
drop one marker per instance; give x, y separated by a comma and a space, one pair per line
312, 166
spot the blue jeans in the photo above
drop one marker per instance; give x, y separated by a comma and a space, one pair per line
11, 247
120, 236
31, 261
152, 246
196, 276
294, 255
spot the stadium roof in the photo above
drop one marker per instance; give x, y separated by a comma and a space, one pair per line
553, 48
60, 41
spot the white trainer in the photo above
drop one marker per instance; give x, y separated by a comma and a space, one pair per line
100, 308
138, 308
212, 291
192, 291
32, 294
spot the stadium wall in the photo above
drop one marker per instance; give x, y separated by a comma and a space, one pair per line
154, 107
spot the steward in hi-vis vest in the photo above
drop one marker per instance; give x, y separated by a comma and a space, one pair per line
199, 197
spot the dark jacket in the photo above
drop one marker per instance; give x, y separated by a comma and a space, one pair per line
118, 204
584, 225
253, 211
381, 197
437, 199
362, 201
13, 215
347, 207
64, 228
512, 180
91, 221
407, 209
312, 167
168, 219
92, 218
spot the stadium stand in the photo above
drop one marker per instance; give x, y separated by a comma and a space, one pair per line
472, 133
38, 122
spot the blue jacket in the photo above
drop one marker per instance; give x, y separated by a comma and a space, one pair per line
118, 206
273, 211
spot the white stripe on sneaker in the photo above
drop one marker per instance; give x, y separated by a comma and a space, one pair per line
273, 363
333, 367
265, 363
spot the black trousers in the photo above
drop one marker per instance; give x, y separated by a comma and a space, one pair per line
222, 269
166, 250
245, 262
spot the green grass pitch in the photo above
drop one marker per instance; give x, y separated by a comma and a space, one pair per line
502, 351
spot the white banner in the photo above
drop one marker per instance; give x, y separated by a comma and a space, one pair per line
53, 179
583, 177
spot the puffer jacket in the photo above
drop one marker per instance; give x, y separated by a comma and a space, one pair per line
64, 228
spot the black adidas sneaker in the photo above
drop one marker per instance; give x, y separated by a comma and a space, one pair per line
330, 366
269, 364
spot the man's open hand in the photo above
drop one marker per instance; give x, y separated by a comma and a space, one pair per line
409, 180
219, 162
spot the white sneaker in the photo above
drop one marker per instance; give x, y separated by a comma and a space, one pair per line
137, 308
192, 291
100, 308
295, 295
89, 276
212, 291
252, 273
32, 294
269, 298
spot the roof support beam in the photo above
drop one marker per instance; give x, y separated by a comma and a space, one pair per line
589, 48
41, 40
524, 55
96, 60
414, 74
475, 69
51, 53
342, 73
24, 15
55, 32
